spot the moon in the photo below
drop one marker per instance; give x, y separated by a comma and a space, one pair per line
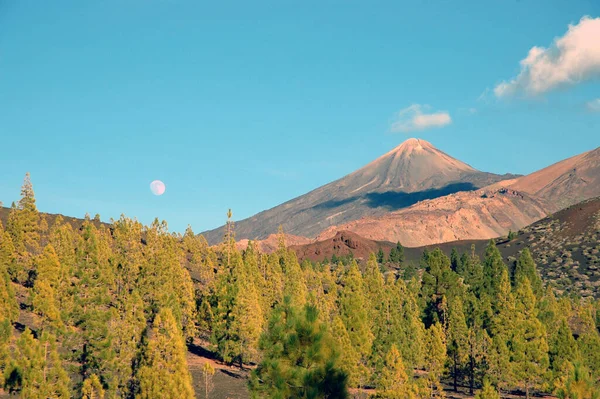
157, 187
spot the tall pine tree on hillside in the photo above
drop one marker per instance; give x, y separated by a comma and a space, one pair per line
457, 335
356, 318
529, 347
298, 359
164, 373
525, 268
393, 382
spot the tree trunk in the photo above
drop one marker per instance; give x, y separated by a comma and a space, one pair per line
454, 373
471, 376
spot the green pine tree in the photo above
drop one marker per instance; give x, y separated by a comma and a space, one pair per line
356, 317
529, 347
164, 373
435, 357
298, 358
487, 392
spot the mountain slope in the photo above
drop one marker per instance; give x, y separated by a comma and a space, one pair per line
481, 214
565, 183
565, 246
488, 213
412, 172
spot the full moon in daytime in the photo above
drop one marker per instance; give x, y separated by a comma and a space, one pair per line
157, 187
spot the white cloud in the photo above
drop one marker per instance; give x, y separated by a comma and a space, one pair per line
414, 118
594, 105
571, 59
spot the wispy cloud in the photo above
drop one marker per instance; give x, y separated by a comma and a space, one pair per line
571, 59
594, 105
415, 118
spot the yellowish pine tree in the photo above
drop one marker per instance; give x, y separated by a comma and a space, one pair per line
208, 371
92, 388
349, 358
435, 357
164, 372
356, 318
248, 321
393, 381
294, 284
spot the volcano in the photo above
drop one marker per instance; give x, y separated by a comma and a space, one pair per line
412, 172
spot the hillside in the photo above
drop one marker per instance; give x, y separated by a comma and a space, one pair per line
480, 214
565, 183
565, 246
342, 244
412, 172
487, 213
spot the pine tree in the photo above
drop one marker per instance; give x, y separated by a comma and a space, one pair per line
479, 353
440, 284
294, 284
349, 359
298, 361
488, 392
23, 226
127, 323
525, 268
589, 347
45, 298
91, 298
471, 270
380, 256
413, 345
493, 267
92, 388
529, 347
5, 353
373, 280
355, 317
197, 254
455, 261
38, 368
576, 383
457, 335
163, 373
166, 282
247, 321
274, 282
208, 371
9, 308
563, 347
435, 357
396, 256
56, 380
393, 381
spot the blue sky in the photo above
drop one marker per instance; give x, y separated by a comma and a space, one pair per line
245, 105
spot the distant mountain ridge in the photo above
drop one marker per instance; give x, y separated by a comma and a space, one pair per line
412, 172
486, 213
564, 183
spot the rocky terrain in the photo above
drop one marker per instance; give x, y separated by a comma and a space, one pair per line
565, 246
481, 214
565, 183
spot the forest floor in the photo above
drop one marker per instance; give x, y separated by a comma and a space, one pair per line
230, 382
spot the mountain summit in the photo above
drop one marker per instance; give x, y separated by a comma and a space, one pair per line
411, 172
414, 165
